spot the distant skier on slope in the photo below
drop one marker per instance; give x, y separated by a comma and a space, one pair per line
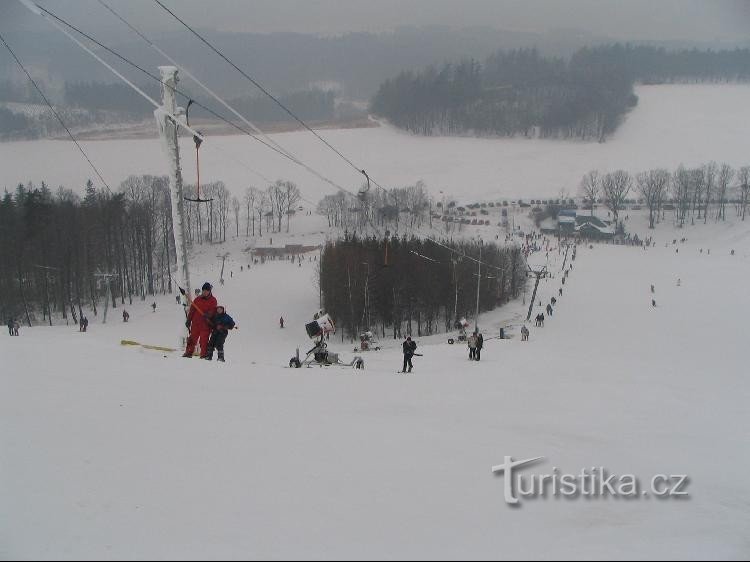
409, 348
221, 324
202, 309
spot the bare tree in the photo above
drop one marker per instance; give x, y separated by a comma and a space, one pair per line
591, 188
292, 197
236, 208
261, 205
222, 209
726, 173
709, 181
616, 186
652, 186
277, 198
697, 183
681, 191
251, 194
744, 178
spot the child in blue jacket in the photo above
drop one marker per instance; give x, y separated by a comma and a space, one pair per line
221, 323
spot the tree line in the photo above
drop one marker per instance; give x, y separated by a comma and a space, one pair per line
400, 210
56, 243
521, 92
86, 103
692, 193
404, 285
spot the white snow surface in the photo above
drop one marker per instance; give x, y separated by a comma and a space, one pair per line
111, 452
673, 124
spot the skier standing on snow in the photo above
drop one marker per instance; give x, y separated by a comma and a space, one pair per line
281, 322
524, 334
221, 323
125, 316
471, 341
409, 348
480, 345
10, 326
16, 327
202, 309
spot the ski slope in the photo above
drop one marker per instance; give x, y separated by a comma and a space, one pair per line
109, 452
672, 124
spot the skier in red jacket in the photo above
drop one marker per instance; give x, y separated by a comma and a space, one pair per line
202, 309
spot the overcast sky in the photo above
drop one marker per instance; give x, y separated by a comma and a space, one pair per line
694, 20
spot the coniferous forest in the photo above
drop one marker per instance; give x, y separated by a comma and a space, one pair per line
411, 286
56, 244
521, 92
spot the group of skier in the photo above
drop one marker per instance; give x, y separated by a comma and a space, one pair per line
475, 342
209, 325
13, 327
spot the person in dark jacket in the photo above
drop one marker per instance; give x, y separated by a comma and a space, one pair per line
409, 347
480, 345
221, 323
10, 326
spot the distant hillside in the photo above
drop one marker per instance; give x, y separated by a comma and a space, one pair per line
522, 92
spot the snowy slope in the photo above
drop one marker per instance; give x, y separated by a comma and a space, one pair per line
111, 452
689, 124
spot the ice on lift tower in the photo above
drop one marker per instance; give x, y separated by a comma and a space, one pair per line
168, 130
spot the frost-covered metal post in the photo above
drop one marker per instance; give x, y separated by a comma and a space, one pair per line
168, 133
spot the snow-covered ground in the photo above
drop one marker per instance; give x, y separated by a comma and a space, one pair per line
689, 124
109, 452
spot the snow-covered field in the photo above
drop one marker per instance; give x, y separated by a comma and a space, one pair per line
671, 125
110, 452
